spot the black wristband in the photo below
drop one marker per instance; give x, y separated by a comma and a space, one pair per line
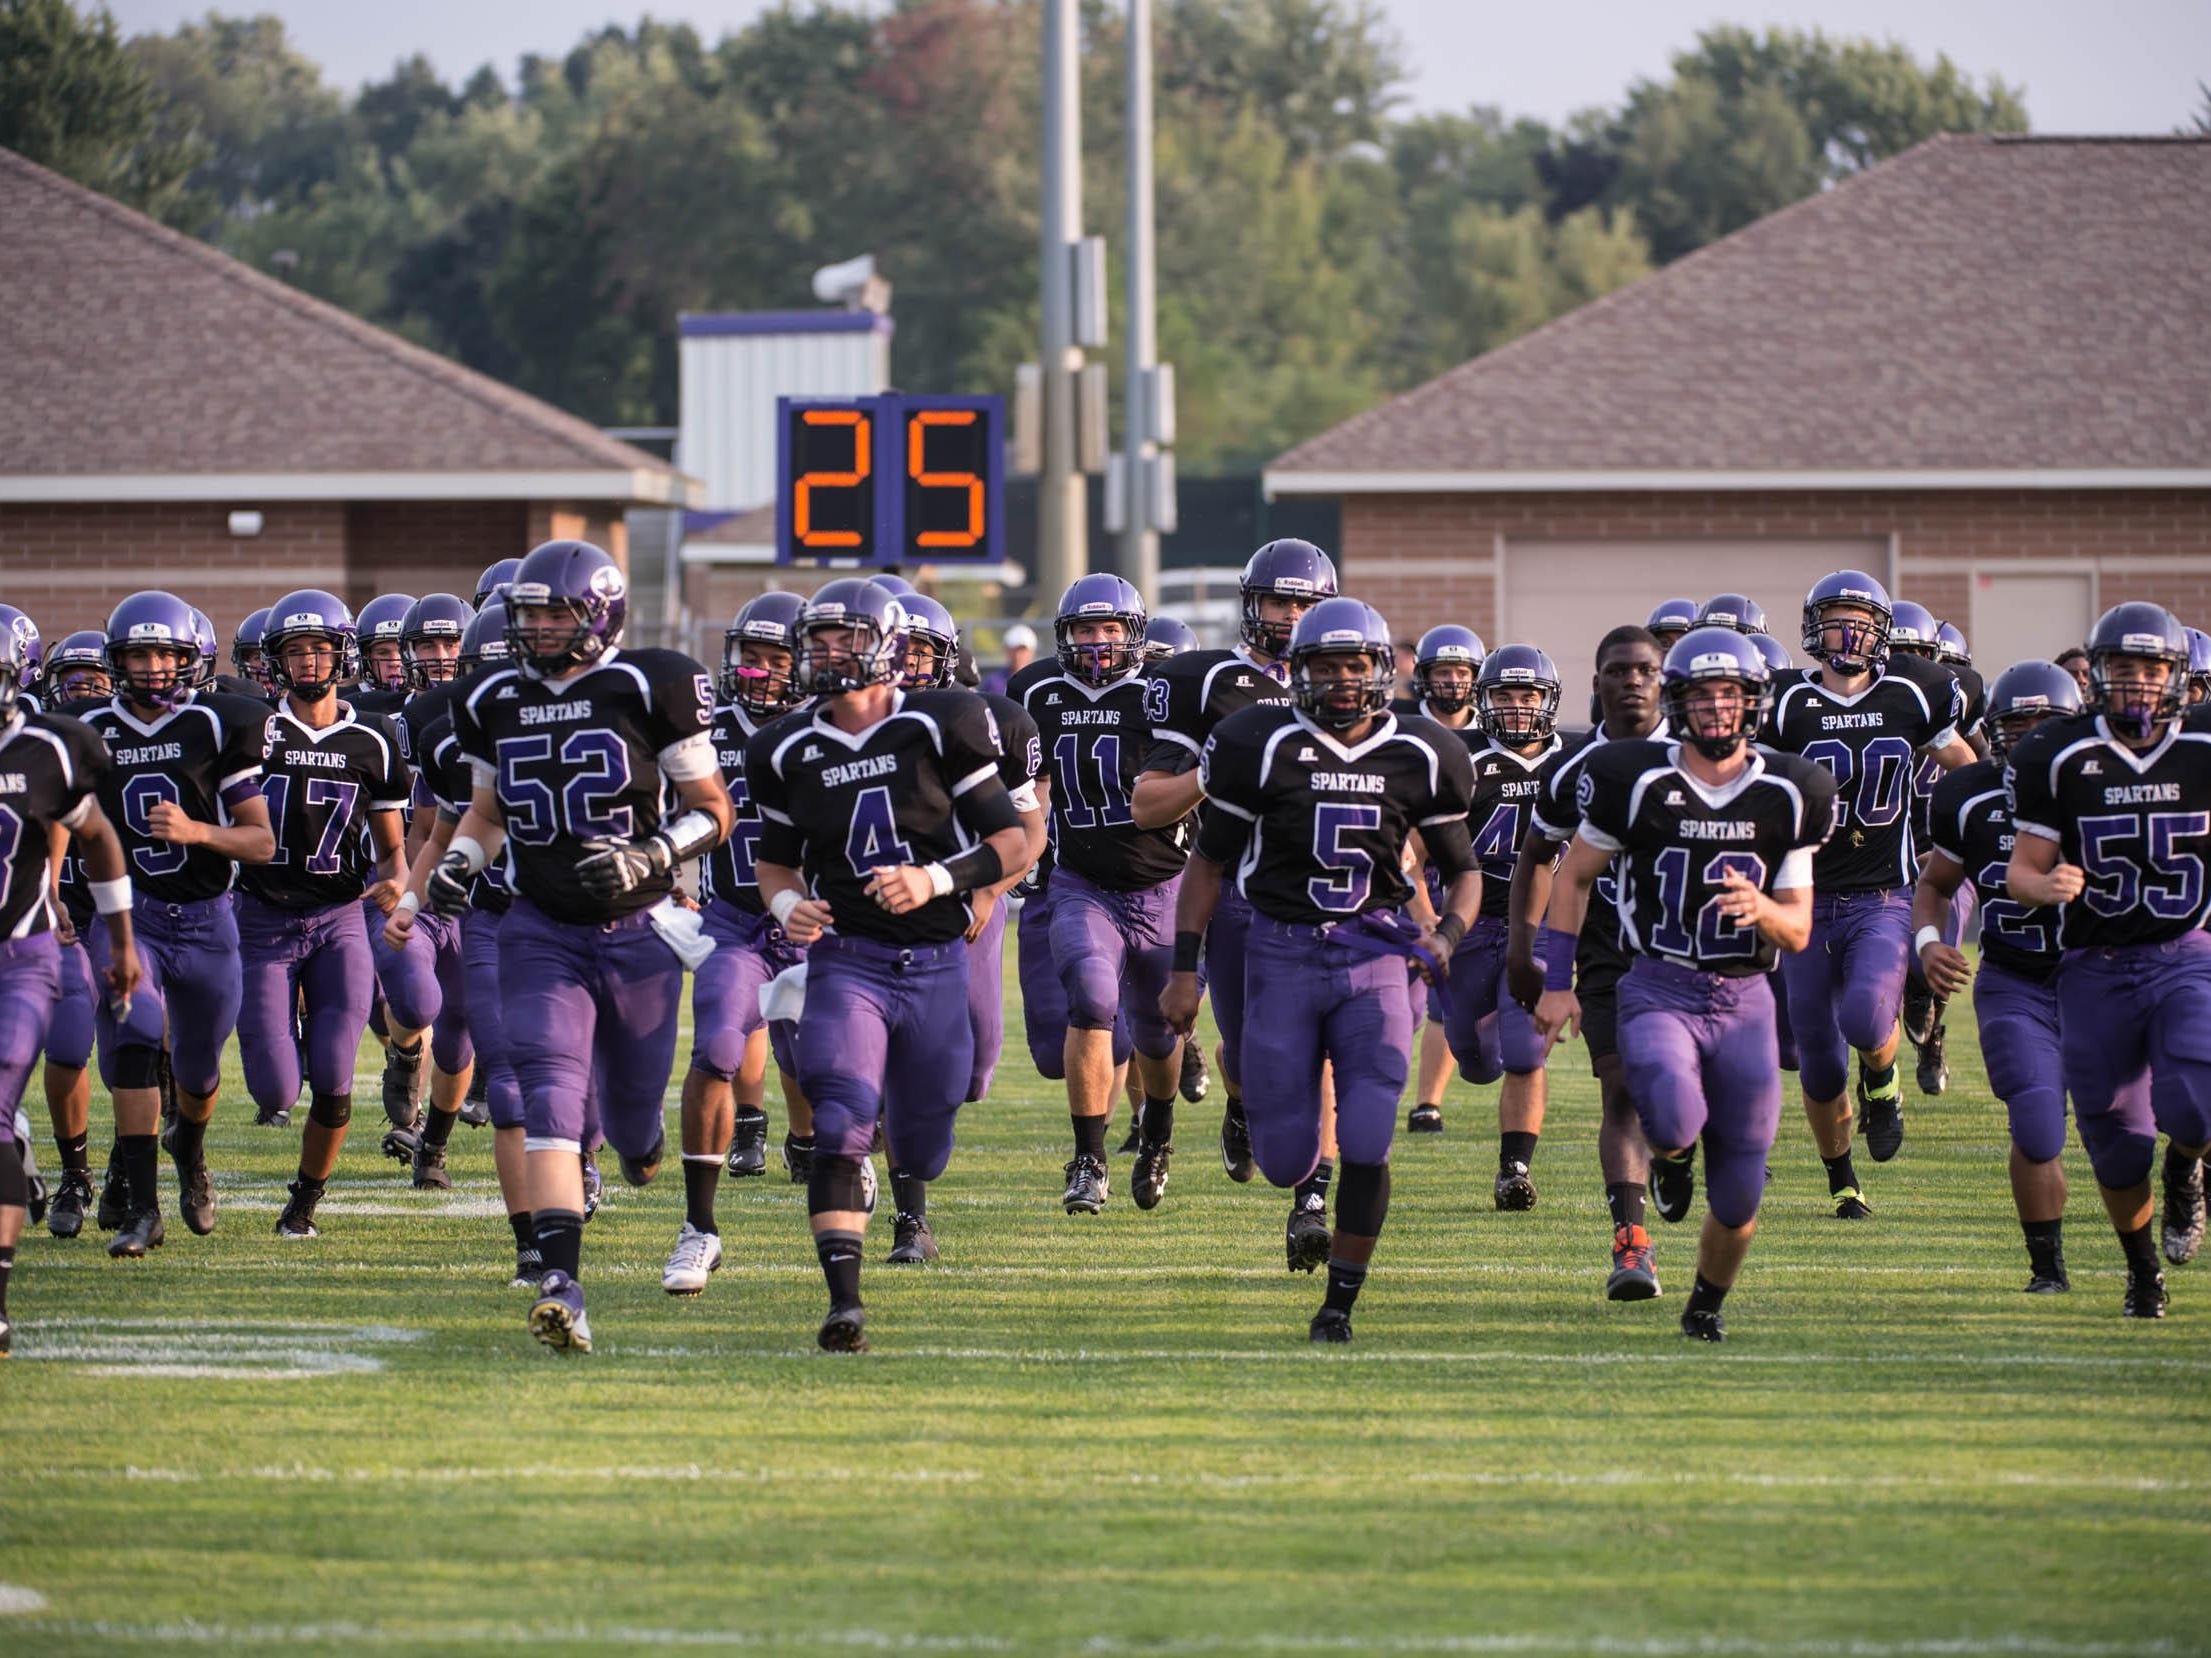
1187, 947
977, 867
1450, 929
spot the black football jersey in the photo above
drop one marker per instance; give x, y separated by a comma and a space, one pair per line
448, 777
582, 760
1316, 829
2137, 823
1928, 772
1871, 745
1555, 816
50, 770
1676, 839
1188, 695
1095, 739
1971, 826
204, 757
1506, 784
917, 787
729, 872
232, 685
321, 787
1021, 760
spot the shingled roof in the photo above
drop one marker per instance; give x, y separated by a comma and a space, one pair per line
149, 364
1974, 310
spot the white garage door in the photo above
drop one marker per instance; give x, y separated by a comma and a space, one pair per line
2018, 614
1567, 595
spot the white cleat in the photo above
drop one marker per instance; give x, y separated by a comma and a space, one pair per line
696, 1258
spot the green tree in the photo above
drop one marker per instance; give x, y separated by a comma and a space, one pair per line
72, 99
1323, 73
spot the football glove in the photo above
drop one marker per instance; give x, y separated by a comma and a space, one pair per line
614, 867
446, 891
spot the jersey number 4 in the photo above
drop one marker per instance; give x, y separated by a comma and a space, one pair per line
873, 838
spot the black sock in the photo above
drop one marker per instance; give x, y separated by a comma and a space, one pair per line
1158, 1121
2141, 1253
1235, 1106
560, 1239
840, 1263
1706, 1296
2178, 1165
189, 1139
1315, 1185
1090, 1137
910, 1193
1625, 1198
702, 1177
75, 1157
1515, 1147
438, 1127
7, 1269
525, 1229
1345, 1280
2045, 1246
1878, 1084
1840, 1173
139, 1171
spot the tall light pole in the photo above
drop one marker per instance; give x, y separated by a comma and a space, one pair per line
1063, 529
1140, 448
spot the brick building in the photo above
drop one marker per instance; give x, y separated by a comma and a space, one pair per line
1981, 370
170, 417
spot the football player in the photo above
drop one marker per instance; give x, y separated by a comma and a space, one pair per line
2015, 1000
77, 671
576, 745
1626, 684
883, 808
1312, 804
183, 790
49, 774
335, 785
1516, 699
1672, 619
496, 575
383, 683
1113, 884
1166, 636
1445, 661
2113, 814
2199, 666
1189, 696
1714, 843
1731, 610
1867, 716
247, 658
1779, 662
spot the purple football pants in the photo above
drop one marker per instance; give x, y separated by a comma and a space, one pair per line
190, 992
426, 985
321, 958
1225, 967
1116, 951
1324, 1001
885, 1036
1043, 1001
69, 1036
2127, 1011
30, 984
749, 950
986, 1001
1489, 1032
487, 1025
2023, 1051
1846, 986
589, 1005
1701, 1064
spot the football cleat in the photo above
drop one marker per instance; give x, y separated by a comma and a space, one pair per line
1704, 1324
529, 1268
1674, 1186
272, 1116
1236, 1143
35, 1199
748, 1145
2050, 1283
1634, 1275
557, 1318
195, 1197
696, 1258
1934, 1061
298, 1220
401, 1144
114, 1194
2182, 1232
476, 1104
1919, 1012
844, 1331
2145, 1295
1515, 1191
798, 1158
1086, 1185
403, 1085
1331, 1326
594, 1188
1851, 1204
1424, 1119
65, 1216
7, 1336
1880, 1121
1148, 1180
429, 1168
1305, 1240
1134, 1140
1196, 1081
141, 1232
912, 1243
641, 1171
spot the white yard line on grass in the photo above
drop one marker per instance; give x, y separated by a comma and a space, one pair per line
262, 1349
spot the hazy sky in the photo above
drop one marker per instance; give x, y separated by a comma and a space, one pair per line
2121, 66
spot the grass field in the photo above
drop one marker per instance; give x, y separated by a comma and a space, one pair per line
1111, 1436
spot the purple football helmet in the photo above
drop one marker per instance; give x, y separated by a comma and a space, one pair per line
1672, 619
247, 653
894, 583
381, 622
1166, 636
2137, 629
211, 646
1912, 629
73, 664
1284, 569
1517, 667
1774, 651
158, 621
19, 626
928, 623
496, 575
1095, 598
1864, 645
485, 642
876, 652
2199, 665
581, 593
1703, 656
1340, 627
1449, 645
771, 619
15, 662
433, 616
1731, 610
1951, 650
2024, 695
309, 613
